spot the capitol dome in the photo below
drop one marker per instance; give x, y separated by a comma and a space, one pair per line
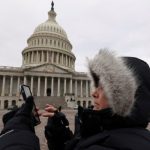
51, 26
49, 44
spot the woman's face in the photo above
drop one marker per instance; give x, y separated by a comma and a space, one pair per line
99, 98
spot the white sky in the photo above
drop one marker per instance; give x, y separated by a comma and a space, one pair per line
120, 25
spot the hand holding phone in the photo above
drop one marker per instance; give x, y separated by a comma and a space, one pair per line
26, 93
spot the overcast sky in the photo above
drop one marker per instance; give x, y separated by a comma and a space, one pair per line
120, 25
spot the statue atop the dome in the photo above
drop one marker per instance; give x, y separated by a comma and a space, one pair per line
52, 4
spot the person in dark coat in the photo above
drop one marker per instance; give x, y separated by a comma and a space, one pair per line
118, 120
18, 132
121, 113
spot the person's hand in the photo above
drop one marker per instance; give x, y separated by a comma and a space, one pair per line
21, 119
50, 110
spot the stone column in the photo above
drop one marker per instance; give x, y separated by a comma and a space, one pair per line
69, 61
47, 60
62, 60
66, 60
87, 88
9, 103
52, 57
37, 56
90, 89
25, 80
57, 61
45, 87
52, 86
81, 93
38, 90
70, 86
32, 85
42, 56
32, 56
76, 88
28, 57
18, 87
64, 86
11, 86
3, 86
2, 104
58, 87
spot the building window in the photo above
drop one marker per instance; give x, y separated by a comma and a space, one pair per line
48, 91
5, 104
13, 102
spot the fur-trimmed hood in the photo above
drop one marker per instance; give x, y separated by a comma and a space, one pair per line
116, 78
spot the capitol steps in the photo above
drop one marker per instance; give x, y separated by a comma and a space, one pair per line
41, 101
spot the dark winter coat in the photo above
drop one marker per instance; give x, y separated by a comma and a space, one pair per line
19, 140
104, 131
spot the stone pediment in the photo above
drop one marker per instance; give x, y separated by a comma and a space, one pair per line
47, 68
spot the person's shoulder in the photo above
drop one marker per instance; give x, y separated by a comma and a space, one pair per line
16, 138
127, 137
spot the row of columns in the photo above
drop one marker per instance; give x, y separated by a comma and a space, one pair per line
42, 56
45, 86
46, 42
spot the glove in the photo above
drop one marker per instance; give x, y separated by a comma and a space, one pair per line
20, 119
57, 131
6, 117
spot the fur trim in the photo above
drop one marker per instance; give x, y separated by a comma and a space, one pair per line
117, 80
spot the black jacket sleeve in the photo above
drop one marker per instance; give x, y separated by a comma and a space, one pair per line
57, 132
18, 132
19, 140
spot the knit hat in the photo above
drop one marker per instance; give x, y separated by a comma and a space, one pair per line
141, 110
117, 79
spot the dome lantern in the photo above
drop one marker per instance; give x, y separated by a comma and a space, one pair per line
52, 14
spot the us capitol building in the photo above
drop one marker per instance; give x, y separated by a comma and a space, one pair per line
48, 67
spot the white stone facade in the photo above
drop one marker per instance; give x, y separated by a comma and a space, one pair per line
48, 67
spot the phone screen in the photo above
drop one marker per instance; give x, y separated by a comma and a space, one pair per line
27, 91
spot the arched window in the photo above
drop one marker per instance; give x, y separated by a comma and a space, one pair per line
13, 103
5, 104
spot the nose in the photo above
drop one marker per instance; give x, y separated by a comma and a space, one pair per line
94, 94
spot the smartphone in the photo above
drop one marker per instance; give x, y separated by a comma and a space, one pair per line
26, 92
